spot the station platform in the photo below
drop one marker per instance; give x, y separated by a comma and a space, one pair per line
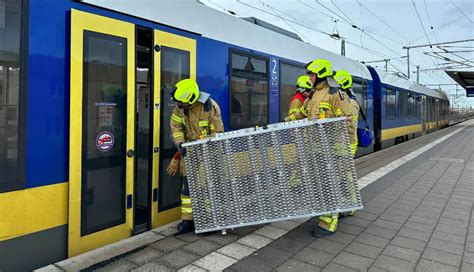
418, 215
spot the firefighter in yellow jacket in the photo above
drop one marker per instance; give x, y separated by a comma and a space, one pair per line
345, 80
317, 106
342, 105
304, 87
194, 117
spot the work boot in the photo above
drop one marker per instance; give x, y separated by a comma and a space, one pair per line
320, 232
185, 226
343, 215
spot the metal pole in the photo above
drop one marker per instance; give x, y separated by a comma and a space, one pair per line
456, 97
418, 74
343, 47
408, 61
386, 64
441, 43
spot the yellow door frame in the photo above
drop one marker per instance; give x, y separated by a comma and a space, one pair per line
81, 21
162, 38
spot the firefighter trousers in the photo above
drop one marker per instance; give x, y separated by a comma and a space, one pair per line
186, 208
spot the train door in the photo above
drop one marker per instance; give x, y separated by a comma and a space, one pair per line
144, 132
437, 113
423, 113
102, 131
174, 59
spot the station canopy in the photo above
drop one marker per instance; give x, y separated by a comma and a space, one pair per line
465, 79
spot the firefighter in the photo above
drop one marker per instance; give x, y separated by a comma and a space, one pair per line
345, 80
194, 117
340, 104
317, 105
304, 87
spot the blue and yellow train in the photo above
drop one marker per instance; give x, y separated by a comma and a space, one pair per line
85, 106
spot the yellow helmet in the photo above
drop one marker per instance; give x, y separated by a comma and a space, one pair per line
304, 83
185, 91
320, 67
343, 78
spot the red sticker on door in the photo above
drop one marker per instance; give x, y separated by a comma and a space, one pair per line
105, 141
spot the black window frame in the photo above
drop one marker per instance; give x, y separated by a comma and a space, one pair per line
399, 109
412, 115
20, 182
163, 154
365, 86
288, 63
418, 105
267, 71
395, 105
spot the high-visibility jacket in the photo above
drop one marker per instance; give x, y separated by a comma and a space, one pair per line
196, 122
317, 106
294, 110
345, 106
355, 119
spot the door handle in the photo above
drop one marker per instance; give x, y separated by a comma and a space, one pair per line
131, 153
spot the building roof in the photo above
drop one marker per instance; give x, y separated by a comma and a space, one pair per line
465, 79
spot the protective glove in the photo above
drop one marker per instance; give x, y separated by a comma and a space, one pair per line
173, 167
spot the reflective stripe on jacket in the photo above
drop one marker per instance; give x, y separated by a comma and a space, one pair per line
196, 122
294, 110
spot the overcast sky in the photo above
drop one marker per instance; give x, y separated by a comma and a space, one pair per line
394, 25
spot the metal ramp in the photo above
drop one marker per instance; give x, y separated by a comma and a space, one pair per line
287, 170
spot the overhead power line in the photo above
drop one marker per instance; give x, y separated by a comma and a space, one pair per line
288, 24
460, 10
343, 13
381, 20
349, 24
428, 13
442, 26
421, 22
335, 13
295, 21
431, 44
429, 19
279, 14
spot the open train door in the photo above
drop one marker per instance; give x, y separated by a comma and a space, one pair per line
174, 60
102, 126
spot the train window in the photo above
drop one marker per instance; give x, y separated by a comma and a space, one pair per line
105, 90
390, 104
418, 106
431, 109
360, 90
249, 91
10, 35
410, 104
288, 75
402, 103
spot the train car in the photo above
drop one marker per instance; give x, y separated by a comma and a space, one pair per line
85, 106
406, 110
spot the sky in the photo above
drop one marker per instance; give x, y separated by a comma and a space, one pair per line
383, 28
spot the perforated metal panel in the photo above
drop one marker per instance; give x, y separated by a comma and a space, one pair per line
288, 170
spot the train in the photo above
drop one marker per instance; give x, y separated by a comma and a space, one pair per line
85, 109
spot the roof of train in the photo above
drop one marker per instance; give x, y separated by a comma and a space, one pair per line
220, 26
397, 81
